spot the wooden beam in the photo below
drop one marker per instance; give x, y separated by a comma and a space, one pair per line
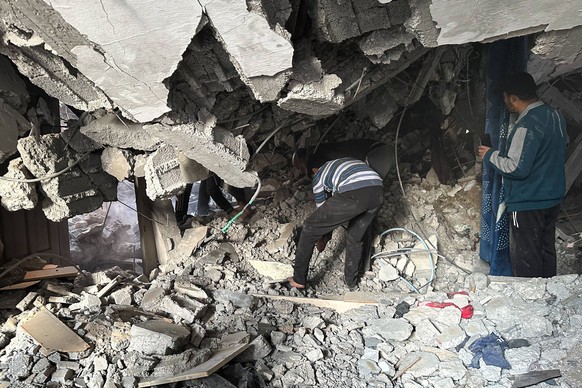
219, 358
574, 164
50, 273
146, 227
337, 305
552, 96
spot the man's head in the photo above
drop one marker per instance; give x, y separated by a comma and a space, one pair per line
519, 90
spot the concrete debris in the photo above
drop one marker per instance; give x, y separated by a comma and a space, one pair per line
211, 146
80, 190
262, 56
163, 174
316, 99
114, 131
117, 162
18, 195
118, 60
385, 46
158, 337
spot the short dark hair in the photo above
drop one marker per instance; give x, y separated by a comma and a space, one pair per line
521, 85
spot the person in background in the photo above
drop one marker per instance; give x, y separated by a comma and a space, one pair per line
346, 190
532, 166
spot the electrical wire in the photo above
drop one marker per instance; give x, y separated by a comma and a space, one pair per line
427, 250
47, 177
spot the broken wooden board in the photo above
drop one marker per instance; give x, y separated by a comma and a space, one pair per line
535, 377
366, 297
219, 358
273, 270
19, 286
51, 273
337, 305
52, 334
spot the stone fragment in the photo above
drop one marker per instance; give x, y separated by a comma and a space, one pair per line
183, 308
426, 332
426, 366
388, 273
152, 299
450, 337
262, 57
158, 337
312, 322
17, 195
123, 296
188, 288
284, 243
236, 298
521, 359
371, 354
258, 348
27, 301
317, 99
117, 162
88, 303
20, 365
389, 328
163, 175
314, 355
62, 376
367, 367
272, 270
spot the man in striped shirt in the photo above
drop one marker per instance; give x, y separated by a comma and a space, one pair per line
356, 197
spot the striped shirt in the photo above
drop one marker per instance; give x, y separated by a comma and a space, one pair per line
342, 175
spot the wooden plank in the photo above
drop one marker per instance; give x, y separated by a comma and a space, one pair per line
219, 358
551, 95
52, 273
574, 164
337, 305
19, 286
534, 377
146, 227
52, 334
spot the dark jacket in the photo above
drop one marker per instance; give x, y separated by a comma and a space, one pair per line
532, 163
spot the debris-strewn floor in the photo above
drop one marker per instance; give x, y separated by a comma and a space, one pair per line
144, 328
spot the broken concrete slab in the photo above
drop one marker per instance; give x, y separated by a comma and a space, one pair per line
213, 147
274, 271
114, 131
117, 162
182, 308
262, 56
118, 59
158, 337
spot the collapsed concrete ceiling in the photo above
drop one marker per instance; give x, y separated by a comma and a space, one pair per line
168, 89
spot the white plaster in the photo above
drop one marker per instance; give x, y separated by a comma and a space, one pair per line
255, 49
143, 42
463, 21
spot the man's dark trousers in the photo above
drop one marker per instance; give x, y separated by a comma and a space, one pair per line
532, 245
358, 207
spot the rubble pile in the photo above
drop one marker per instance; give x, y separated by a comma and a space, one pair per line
140, 330
170, 325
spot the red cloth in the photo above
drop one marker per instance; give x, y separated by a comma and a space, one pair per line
466, 312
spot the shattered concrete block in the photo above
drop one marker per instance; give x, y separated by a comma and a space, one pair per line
152, 299
386, 46
15, 195
70, 193
259, 348
389, 328
213, 147
163, 175
427, 365
177, 363
236, 298
117, 162
262, 56
317, 99
158, 337
450, 337
183, 308
62, 376
388, 273
90, 303
272, 270
123, 296
20, 365
139, 166
285, 241
186, 287
110, 130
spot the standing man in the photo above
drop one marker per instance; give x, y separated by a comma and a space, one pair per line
532, 166
356, 197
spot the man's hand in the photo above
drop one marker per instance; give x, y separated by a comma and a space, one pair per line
482, 151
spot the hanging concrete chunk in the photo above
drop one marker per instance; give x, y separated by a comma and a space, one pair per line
120, 60
213, 147
262, 56
17, 195
110, 130
316, 98
163, 176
